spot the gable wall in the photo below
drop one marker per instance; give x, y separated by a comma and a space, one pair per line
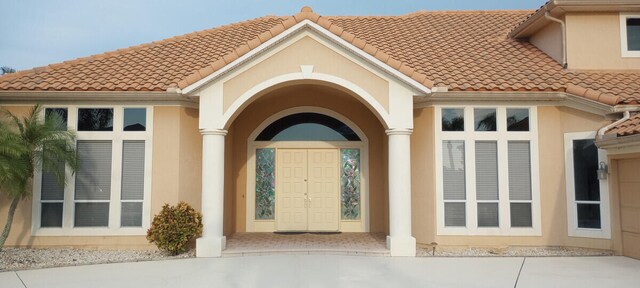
306, 51
549, 40
593, 42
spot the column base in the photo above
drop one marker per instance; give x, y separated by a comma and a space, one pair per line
210, 246
402, 246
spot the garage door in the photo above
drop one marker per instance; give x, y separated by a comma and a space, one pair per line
629, 181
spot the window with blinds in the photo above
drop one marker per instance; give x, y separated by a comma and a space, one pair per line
93, 183
107, 191
51, 198
486, 183
486, 155
519, 153
132, 192
51, 191
453, 166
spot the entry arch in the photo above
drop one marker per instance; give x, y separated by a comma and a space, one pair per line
253, 225
307, 78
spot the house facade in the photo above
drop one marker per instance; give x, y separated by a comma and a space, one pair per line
465, 128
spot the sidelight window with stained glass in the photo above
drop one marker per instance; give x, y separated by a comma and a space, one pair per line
350, 183
265, 183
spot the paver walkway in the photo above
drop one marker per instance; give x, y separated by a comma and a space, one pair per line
284, 271
369, 244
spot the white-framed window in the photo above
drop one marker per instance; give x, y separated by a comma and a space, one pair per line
587, 196
487, 179
630, 34
110, 193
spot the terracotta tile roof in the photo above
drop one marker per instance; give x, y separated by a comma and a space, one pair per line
154, 66
462, 50
626, 128
307, 14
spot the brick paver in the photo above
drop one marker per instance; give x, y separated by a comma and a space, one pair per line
341, 243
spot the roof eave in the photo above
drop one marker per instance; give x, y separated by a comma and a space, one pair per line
41, 96
618, 141
560, 7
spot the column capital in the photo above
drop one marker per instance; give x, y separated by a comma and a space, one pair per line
220, 132
399, 131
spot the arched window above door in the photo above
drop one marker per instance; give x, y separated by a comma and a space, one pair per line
307, 127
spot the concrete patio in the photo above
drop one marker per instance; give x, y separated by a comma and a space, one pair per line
284, 271
254, 244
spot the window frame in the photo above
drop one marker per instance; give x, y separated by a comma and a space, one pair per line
623, 36
502, 137
117, 136
572, 205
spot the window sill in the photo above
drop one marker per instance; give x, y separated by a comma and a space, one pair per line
630, 54
90, 231
462, 231
589, 233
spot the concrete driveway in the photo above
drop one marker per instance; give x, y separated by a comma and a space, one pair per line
340, 271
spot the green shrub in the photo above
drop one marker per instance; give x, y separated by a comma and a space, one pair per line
175, 227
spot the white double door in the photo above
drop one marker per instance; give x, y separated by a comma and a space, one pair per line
308, 190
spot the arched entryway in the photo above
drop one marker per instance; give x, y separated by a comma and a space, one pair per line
274, 107
308, 170
313, 56
386, 205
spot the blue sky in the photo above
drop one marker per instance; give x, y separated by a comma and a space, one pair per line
40, 32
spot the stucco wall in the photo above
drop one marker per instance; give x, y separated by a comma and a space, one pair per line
175, 177
423, 197
177, 157
190, 158
593, 42
319, 96
307, 51
553, 122
549, 40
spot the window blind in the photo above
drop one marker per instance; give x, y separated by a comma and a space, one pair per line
453, 163
132, 170
93, 183
93, 178
521, 215
519, 170
486, 170
454, 214
51, 189
131, 214
92, 214
488, 215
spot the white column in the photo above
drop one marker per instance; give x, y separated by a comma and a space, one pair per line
212, 241
400, 242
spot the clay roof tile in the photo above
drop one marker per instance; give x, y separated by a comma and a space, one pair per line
462, 50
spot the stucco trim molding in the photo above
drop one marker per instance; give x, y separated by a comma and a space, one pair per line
368, 99
87, 97
619, 142
503, 98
